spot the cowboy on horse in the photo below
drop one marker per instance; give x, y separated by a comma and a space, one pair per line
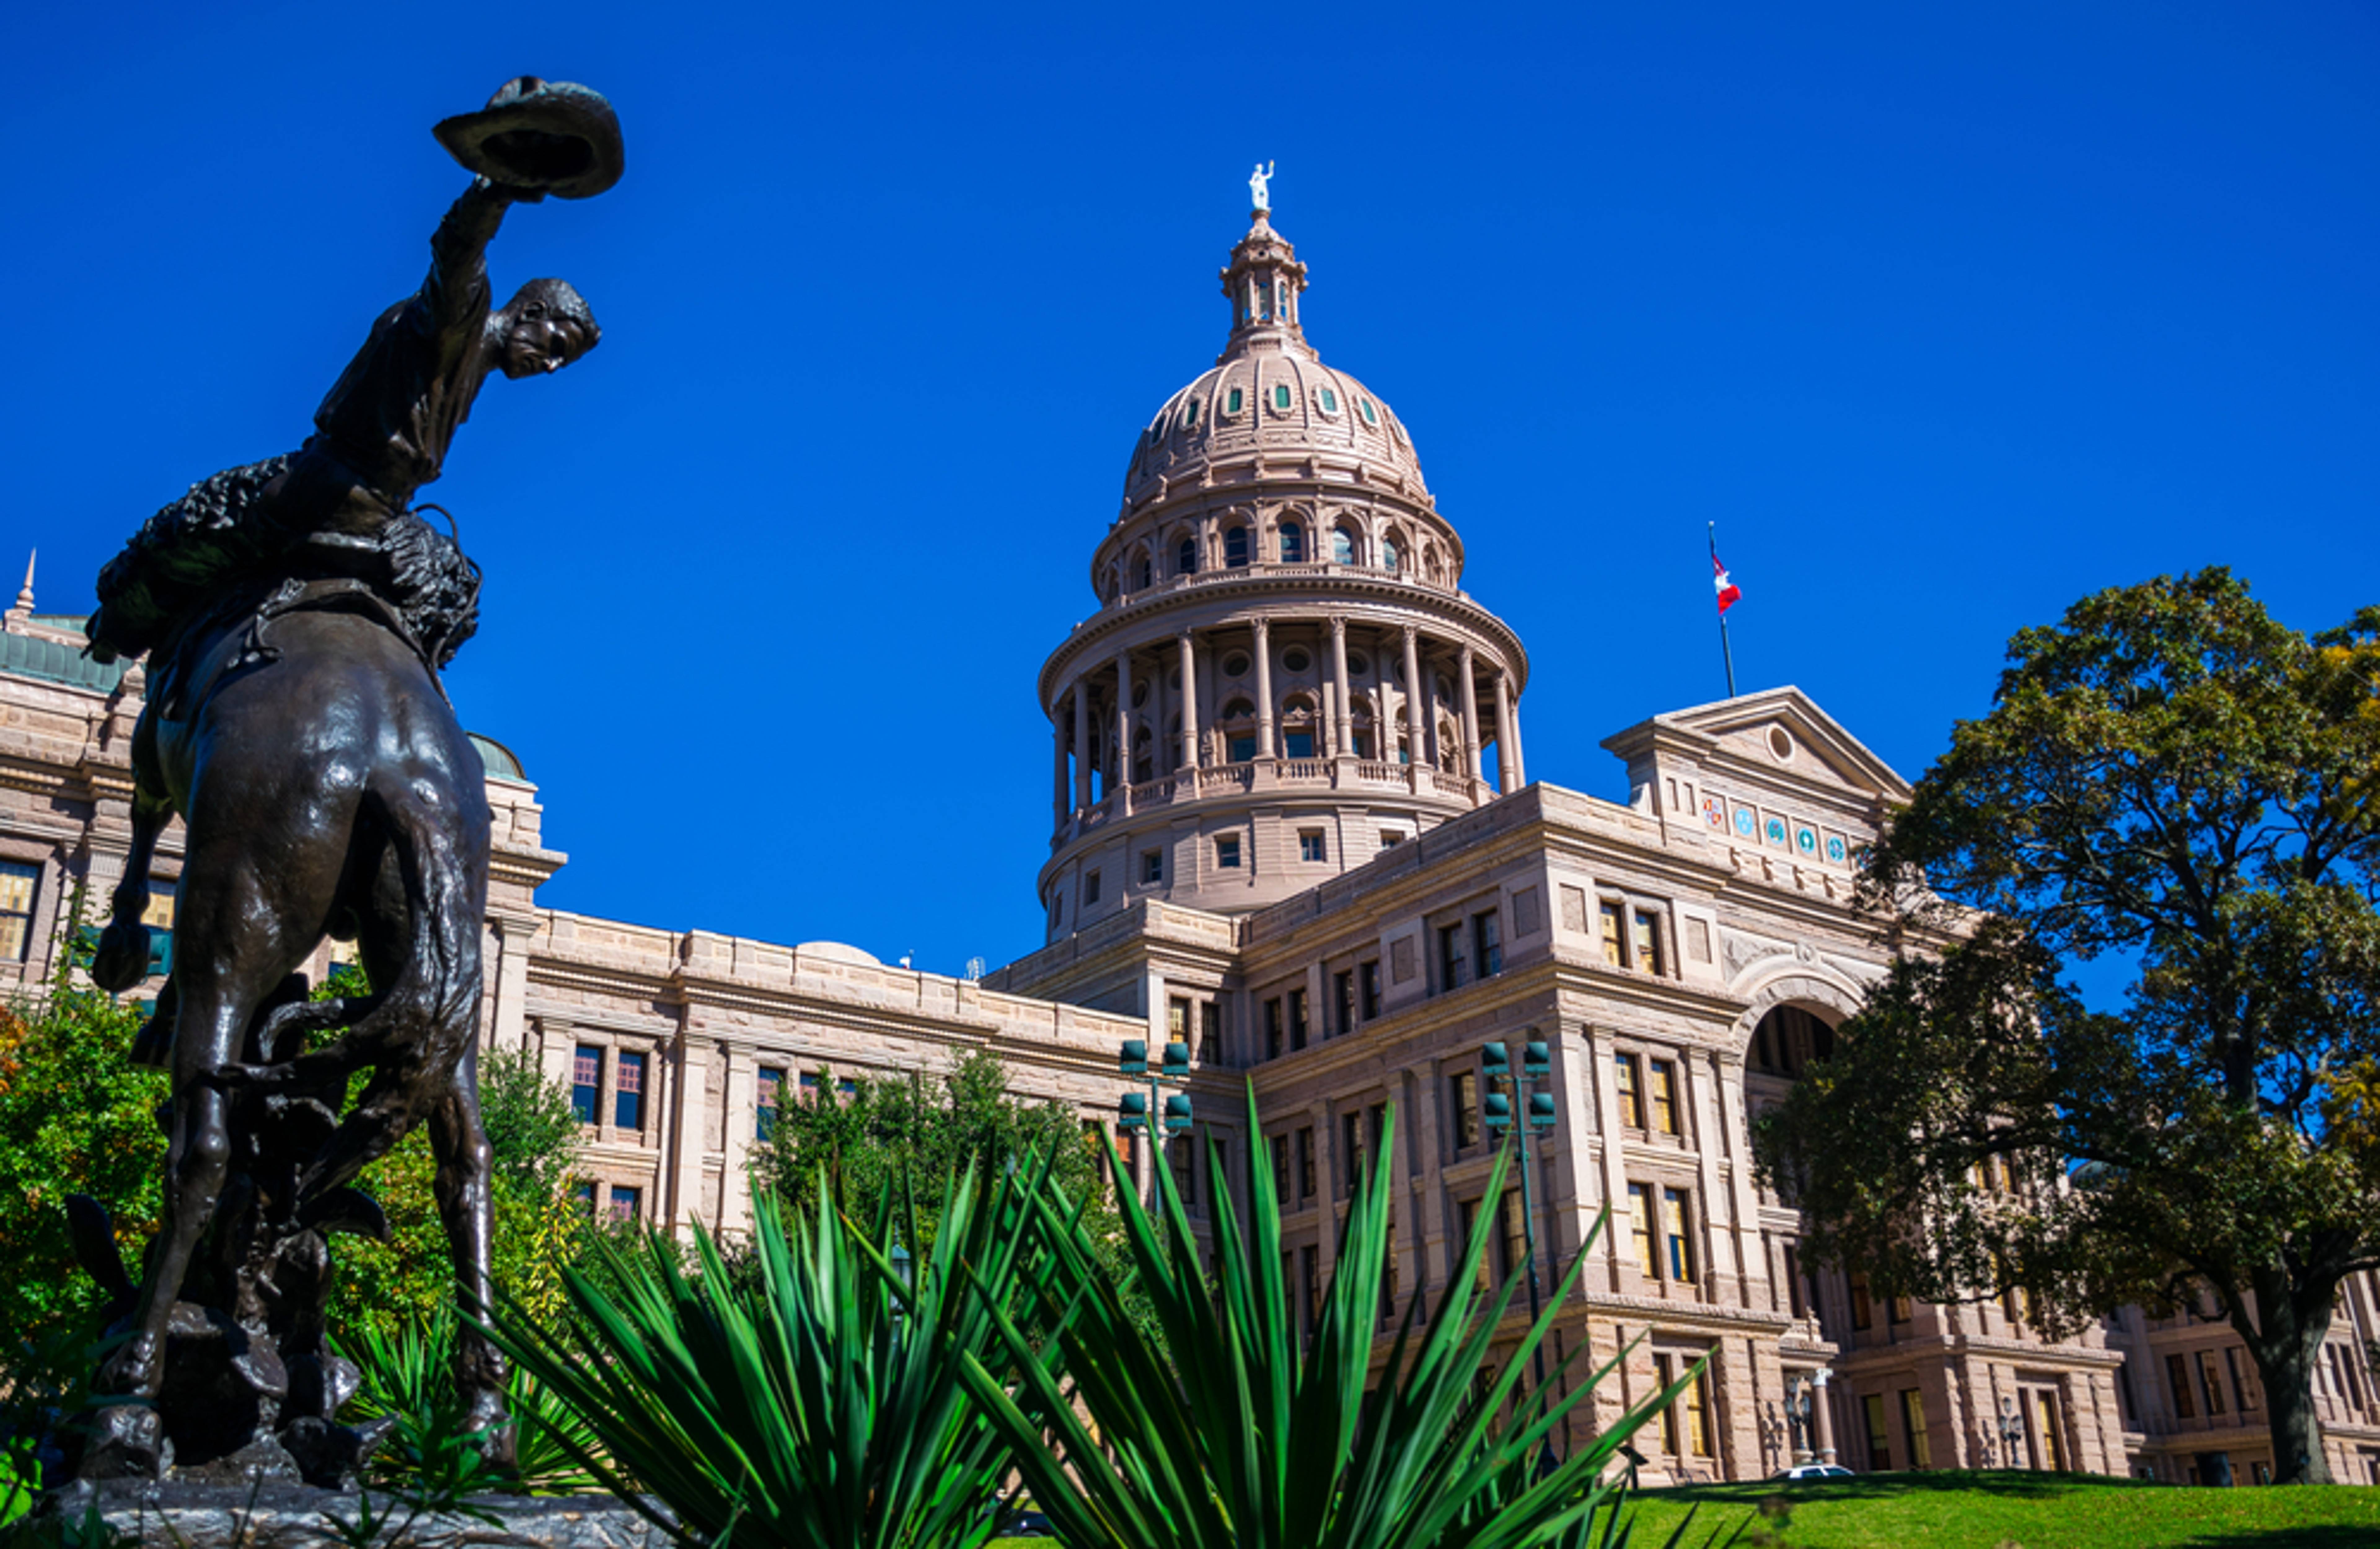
297, 614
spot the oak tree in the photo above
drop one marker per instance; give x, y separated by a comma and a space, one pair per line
2171, 780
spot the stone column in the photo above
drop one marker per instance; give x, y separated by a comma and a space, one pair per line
1082, 745
1519, 767
1822, 1416
1344, 735
1058, 768
1412, 703
1470, 720
1159, 705
1123, 726
1507, 773
1264, 689
1189, 703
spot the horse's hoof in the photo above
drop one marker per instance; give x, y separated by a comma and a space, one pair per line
490, 1425
122, 958
125, 1441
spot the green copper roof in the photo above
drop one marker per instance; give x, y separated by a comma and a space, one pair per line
499, 758
28, 656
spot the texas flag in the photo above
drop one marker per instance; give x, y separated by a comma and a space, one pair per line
1729, 592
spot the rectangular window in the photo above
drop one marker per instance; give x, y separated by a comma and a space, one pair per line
1640, 1228
2044, 1404
1211, 1030
1310, 846
1354, 1156
1091, 887
1648, 942
1863, 1305
158, 917
1343, 996
1629, 1085
583, 1194
626, 1203
1611, 948
1391, 838
1280, 1179
1297, 1019
1664, 1096
2176, 1386
1879, 1440
1698, 1416
1152, 866
1796, 1297
586, 1081
1370, 983
2210, 1385
1488, 943
1463, 1089
1305, 1178
1272, 1028
1664, 1374
2245, 1393
1514, 1241
1297, 744
1674, 1215
1226, 852
772, 1092
1388, 1282
628, 1092
17, 883
1913, 1419
1243, 749
1898, 1309
1309, 1278
1451, 967
1177, 1020
1468, 1222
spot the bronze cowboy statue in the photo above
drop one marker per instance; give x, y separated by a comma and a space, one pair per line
296, 615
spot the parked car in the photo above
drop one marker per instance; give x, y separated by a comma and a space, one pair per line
1813, 1470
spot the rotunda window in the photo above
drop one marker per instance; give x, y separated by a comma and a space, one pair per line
1329, 401
1389, 553
1359, 665
1190, 415
1142, 572
1370, 417
1343, 546
1280, 399
1233, 401
1235, 547
1139, 693
1239, 710
1235, 666
1445, 687
1296, 660
1292, 543
1185, 558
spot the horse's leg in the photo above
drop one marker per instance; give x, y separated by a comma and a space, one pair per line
222, 977
122, 960
466, 1205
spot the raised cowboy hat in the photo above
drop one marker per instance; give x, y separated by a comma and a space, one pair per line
553, 136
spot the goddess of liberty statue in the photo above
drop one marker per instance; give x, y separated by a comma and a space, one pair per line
1260, 189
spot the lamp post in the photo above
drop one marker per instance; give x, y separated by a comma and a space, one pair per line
2011, 1431
1536, 1115
1797, 1418
1159, 1115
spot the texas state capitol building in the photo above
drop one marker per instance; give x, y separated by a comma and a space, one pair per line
1292, 825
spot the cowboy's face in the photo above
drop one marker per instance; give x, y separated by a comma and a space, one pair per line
536, 343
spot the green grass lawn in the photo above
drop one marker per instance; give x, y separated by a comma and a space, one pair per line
1957, 1510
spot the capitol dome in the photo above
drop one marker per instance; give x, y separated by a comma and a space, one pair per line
1269, 397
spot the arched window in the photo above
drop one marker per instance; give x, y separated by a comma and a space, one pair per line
1343, 546
1389, 553
1298, 725
1366, 741
1144, 753
1787, 1039
1185, 558
1292, 543
1142, 572
1235, 547
1238, 726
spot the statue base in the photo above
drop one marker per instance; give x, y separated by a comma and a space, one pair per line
239, 1516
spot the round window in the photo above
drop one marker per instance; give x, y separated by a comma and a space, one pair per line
1780, 746
1235, 665
1296, 660
1359, 664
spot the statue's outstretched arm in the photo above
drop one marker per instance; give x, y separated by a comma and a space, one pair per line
456, 291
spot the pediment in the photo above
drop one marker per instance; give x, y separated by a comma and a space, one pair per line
1778, 739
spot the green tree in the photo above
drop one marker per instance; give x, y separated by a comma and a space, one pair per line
865, 1142
2170, 776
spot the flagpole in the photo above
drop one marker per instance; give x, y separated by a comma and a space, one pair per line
1727, 653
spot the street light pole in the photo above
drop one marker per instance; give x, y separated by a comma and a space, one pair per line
1159, 1115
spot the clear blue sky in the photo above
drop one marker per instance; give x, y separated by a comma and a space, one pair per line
1946, 319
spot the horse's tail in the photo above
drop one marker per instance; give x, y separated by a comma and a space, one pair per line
414, 1030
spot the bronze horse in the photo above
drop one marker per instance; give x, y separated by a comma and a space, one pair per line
296, 614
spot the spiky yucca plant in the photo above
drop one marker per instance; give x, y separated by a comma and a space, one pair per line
1251, 1437
813, 1402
